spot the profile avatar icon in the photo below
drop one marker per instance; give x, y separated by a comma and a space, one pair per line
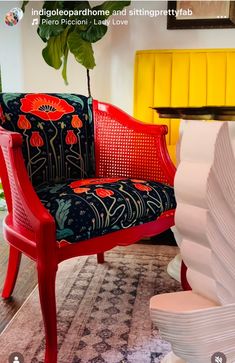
13, 16
16, 358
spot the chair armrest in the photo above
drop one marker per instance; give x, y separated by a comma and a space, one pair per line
29, 216
126, 147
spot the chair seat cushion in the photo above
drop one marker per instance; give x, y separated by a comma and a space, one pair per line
93, 207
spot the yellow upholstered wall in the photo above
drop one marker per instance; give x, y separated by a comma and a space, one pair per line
182, 78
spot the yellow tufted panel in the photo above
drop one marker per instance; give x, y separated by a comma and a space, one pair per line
183, 78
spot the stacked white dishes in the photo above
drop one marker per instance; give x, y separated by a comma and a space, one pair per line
201, 322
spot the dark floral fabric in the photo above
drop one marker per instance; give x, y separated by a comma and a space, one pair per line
93, 207
58, 134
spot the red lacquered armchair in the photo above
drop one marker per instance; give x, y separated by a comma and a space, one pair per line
80, 177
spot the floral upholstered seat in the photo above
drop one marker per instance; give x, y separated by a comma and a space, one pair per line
93, 207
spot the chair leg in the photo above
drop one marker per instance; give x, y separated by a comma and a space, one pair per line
12, 272
100, 257
46, 286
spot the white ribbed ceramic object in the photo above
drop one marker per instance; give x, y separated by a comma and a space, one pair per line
200, 322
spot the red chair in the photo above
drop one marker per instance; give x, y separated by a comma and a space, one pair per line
48, 175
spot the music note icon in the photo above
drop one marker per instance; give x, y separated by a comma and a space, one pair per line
35, 22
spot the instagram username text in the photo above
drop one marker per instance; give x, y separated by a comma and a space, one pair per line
92, 12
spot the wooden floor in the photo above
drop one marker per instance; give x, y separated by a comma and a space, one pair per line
27, 278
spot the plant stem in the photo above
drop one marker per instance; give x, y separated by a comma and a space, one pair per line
88, 82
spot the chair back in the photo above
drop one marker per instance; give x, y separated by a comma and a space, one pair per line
58, 134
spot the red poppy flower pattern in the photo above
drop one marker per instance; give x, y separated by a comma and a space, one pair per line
76, 122
46, 107
103, 193
143, 187
58, 134
81, 190
23, 123
2, 116
93, 181
71, 138
138, 181
36, 139
63, 243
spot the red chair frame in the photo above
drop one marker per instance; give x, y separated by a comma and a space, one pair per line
30, 229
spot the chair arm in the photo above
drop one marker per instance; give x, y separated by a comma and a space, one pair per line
126, 147
29, 216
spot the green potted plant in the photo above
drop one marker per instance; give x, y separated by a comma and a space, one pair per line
71, 27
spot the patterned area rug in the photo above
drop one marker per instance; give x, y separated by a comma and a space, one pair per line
103, 314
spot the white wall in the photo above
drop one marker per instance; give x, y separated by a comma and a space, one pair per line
112, 78
10, 51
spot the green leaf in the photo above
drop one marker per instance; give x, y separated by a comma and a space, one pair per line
76, 5
66, 232
45, 31
73, 98
90, 114
94, 33
82, 50
54, 189
24, 5
52, 53
64, 70
55, 49
80, 5
112, 5
7, 97
53, 5
62, 212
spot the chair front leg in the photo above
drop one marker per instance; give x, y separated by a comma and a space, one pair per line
46, 286
100, 257
12, 272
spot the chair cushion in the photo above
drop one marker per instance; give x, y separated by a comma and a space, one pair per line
93, 207
58, 134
